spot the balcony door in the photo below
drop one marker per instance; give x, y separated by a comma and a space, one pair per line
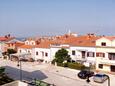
111, 56
83, 54
112, 67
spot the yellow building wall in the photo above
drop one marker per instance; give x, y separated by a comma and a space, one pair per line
99, 41
113, 43
105, 49
104, 60
106, 67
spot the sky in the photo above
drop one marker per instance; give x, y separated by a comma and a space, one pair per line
54, 17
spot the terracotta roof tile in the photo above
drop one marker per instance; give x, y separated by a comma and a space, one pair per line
85, 41
3, 38
26, 46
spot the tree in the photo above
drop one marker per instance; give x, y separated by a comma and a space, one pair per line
62, 55
2, 70
11, 51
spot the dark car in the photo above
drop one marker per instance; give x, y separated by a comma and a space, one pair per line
83, 74
100, 78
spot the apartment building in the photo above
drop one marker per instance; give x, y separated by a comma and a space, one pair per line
105, 54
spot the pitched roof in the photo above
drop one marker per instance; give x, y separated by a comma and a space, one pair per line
44, 44
14, 41
3, 38
85, 41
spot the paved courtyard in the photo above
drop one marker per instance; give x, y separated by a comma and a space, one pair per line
55, 75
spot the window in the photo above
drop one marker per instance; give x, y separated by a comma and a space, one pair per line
90, 54
12, 44
111, 56
100, 66
73, 52
32, 43
28, 51
37, 53
27, 43
100, 54
46, 54
103, 44
42, 53
20, 51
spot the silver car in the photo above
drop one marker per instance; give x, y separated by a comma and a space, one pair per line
100, 78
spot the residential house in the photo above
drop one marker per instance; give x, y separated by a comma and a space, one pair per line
105, 54
26, 48
3, 45
55, 47
83, 48
47, 48
14, 44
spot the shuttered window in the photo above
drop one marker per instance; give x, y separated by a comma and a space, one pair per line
100, 54
90, 54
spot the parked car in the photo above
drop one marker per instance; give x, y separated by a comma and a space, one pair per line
83, 74
100, 78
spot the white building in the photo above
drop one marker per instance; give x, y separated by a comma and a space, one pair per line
87, 54
55, 47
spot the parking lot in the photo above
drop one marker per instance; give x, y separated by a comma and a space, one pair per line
52, 74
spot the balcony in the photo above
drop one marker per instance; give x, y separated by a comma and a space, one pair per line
109, 62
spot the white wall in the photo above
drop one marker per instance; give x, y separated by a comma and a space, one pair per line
23, 50
113, 43
2, 47
79, 55
53, 51
30, 42
40, 52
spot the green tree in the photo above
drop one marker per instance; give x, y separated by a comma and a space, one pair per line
2, 70
62, 55
11, 51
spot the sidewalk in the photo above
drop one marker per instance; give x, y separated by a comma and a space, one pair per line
72, 74
55, 72
65, 72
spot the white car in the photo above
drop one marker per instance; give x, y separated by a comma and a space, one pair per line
100, 78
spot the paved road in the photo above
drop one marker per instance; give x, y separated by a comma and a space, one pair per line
51, 74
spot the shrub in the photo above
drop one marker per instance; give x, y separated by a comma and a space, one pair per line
2, 70
53, 61
65, 64
60, 64
77, 66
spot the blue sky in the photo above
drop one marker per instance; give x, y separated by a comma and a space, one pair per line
53, 17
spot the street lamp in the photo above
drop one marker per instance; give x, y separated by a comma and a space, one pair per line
108, 80
20, 65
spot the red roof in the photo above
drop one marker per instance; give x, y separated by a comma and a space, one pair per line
26, 46
85, 41
3, 38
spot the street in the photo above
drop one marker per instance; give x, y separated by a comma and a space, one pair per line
55, 75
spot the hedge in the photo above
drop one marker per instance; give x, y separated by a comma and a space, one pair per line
60, 64
77, 66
